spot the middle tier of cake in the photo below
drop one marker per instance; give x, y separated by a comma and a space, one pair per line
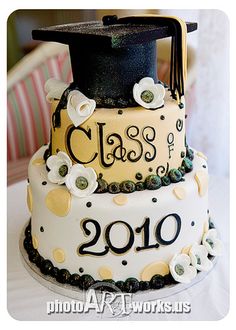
125, 144
117, 236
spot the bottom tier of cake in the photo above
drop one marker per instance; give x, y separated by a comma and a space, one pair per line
117, 236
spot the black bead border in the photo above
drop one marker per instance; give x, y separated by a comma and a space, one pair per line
130, 285
128, 186
84, 282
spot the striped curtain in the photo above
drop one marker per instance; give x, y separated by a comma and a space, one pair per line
28, 120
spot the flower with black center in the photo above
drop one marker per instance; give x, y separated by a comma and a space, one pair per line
198, 254
82, 181
59, 166
180, 268
212, 243
148, 94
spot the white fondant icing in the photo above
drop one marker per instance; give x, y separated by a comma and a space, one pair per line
79, 107
67, 233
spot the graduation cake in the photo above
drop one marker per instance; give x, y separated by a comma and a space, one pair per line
118, 195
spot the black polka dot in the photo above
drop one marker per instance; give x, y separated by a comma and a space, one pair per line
138, 176
41, 229
182, 154
44, 183
120, 112
154, 199
124, 262
204, 166
88, 204
186, 116
150, 169
162, 117
57, 150
192, 223
208, 211
81, 270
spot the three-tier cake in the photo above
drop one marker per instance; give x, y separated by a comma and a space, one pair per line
118, 195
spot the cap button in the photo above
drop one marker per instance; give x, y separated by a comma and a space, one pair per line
109, 19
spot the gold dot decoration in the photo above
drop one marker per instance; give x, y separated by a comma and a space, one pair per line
200, 154
35, 242
29, 198
120, 199
206, 227
179, 192
201, 178
105, 273
58, 201
160, 268
58, 255
186, 249
38, 161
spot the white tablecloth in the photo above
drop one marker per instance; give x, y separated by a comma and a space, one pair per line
27, 298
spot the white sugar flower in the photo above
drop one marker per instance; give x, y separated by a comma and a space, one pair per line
212, 243
180, 268
59, 166
81, 181
148, 94
198, 254
79, 107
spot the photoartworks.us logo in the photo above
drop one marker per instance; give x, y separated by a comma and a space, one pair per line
106, 298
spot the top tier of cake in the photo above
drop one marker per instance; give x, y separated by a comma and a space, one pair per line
116, 117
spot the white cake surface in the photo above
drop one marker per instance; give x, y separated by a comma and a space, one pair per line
57, 230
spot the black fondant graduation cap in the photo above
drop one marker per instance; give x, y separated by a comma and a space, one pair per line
109, 57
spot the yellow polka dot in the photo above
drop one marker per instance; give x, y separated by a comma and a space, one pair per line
59, 255
201, 178
58, 201
200, 154
38, 161
155, 268
179, 192
35, 242
186, 249
29, 198
206, 227
105, 272
120, 199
